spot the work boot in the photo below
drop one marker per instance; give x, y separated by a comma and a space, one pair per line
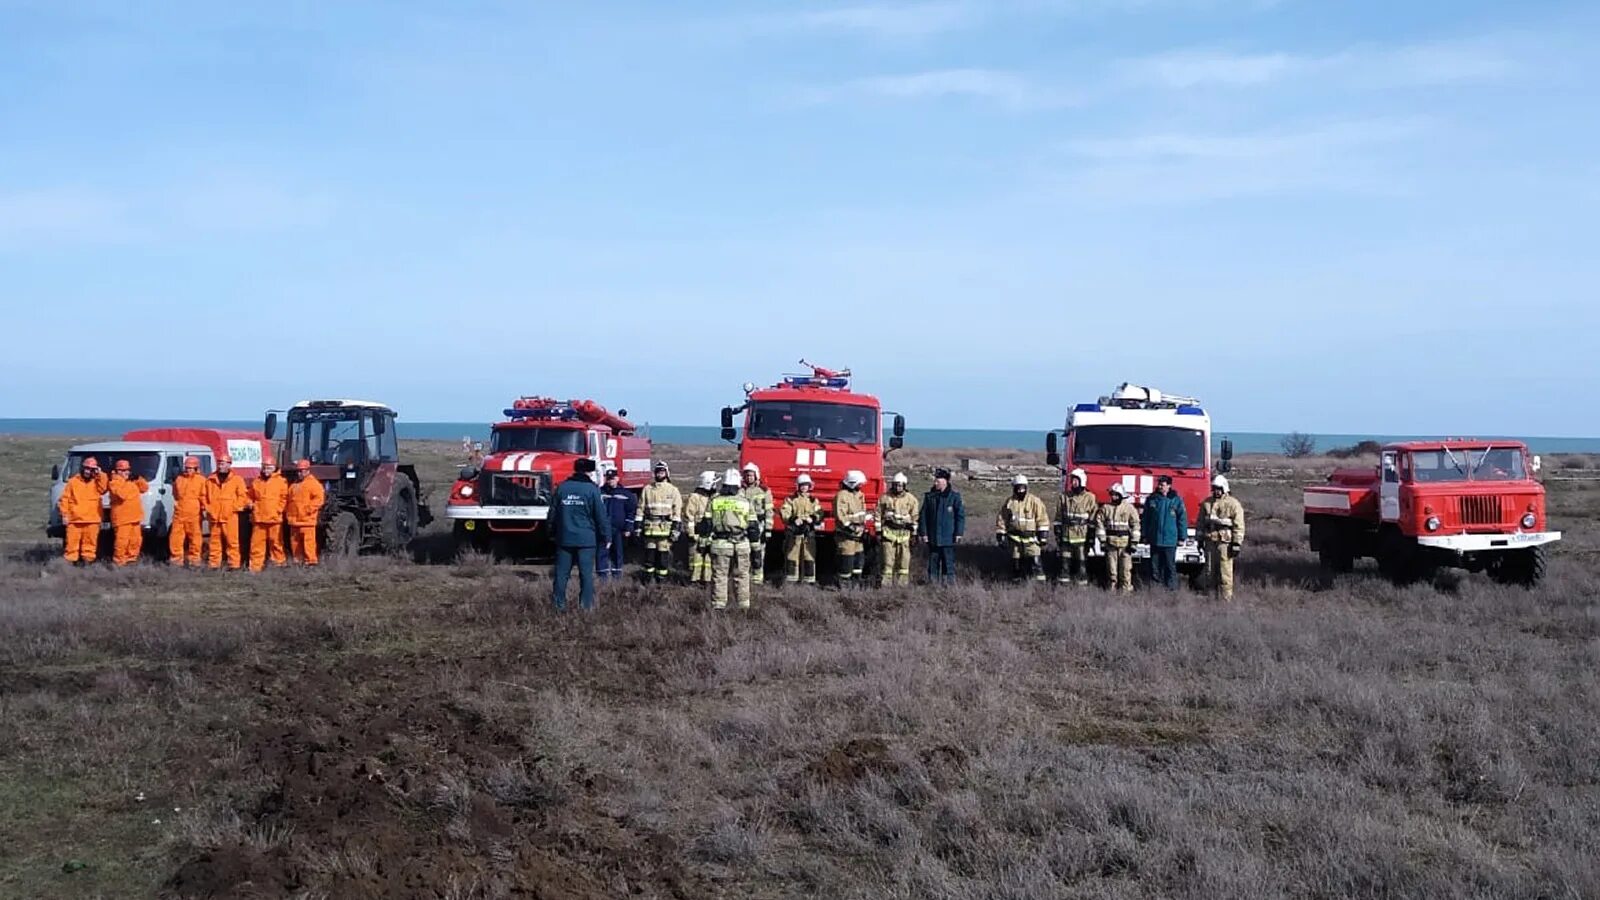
808, 573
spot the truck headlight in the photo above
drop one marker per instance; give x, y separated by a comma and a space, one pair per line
1432, 523
1528, 521
466, 490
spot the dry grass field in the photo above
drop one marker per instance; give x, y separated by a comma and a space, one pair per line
383, 728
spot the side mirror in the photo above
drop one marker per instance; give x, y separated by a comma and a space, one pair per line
1052, 450
1226, 463
899, 429
380, 424
467, 473
896, 441
728, 433
55, 471
269, 428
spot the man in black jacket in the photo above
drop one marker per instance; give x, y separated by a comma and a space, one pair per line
942, 523
578, 525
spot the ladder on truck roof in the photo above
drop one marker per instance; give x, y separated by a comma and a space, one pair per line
1133, 396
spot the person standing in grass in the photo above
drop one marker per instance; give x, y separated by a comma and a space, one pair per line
897, 522
127, 513
1074, 521
941, 523
1222, 524
1165, 524
620, 507
578, 526
1117, 528
80, 506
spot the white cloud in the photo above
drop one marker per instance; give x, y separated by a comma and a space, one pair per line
1168, 167
1007, 89
1431, 64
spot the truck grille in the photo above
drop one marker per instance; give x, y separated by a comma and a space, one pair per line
1480, 511
531, 489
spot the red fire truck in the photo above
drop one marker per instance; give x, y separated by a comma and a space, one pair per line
813, 424
1134, 436
1427, 504
507, 496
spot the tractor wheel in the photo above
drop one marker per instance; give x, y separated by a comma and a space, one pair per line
344, 536
399, 523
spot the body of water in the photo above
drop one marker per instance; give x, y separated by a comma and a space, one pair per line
989, 439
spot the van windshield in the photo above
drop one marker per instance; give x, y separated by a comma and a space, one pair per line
549, 440
145, 464
1139, 445
813, 421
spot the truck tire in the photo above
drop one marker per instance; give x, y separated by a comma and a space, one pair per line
399, 523
1335, 553
1397, 558
1526, 568
344, 536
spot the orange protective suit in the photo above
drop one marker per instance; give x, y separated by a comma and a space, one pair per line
302, 511
80, 512
268, 494
225, 499
188, 499
127, 518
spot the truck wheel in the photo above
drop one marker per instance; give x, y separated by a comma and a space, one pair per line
344, 536
1335, 555
399, 523
1521, 567
1397, 558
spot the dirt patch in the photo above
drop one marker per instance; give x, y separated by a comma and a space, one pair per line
852, 760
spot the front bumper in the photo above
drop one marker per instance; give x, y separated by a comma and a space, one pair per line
1479, 543
498, 513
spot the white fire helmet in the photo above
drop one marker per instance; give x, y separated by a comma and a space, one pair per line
1019, 481
1081, 475
1117, 490
900, 478
731, 478
752, 467
803, 479
708, 480
854, 478
1221, 481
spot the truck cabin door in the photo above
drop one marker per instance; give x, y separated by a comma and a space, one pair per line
1389, 487
594, 454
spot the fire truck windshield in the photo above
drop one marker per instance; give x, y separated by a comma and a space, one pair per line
1139, 445
809, 420
551, 440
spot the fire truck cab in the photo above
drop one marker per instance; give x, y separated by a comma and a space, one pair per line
813, 424
1132, 437
534, 449
1467, 504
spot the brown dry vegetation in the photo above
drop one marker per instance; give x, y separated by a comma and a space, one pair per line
384, 729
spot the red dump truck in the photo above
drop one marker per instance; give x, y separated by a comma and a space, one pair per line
1466, 504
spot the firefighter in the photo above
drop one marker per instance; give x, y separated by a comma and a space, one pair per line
127, 513
268, 493
225, 497
1074, 521
1222, 525
942, 524
302, 512
850, 518
898, 511
1117, 530
188, 499
1024, 523
801, 515
761, 506
80, 508
660, 520
694, 509
729, 521
621, 507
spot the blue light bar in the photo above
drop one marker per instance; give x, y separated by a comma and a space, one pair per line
1087, 407
564, 413
1190, 411
815, 381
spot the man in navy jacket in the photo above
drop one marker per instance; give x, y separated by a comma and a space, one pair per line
941, 523
621, 504
1165, 526
578, 526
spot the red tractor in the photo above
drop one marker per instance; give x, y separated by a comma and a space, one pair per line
503, 503
1430, 504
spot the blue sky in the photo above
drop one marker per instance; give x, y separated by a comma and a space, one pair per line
1333, 216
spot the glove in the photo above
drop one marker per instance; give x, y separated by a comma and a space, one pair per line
1000, 538
1234, 549
1044, 536
677, 532
752, 532
703, 528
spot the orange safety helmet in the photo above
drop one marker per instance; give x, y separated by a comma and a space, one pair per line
90, 462
122, 466
224, 460
191, 462
303, 465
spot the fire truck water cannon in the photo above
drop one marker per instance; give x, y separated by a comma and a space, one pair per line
550, 409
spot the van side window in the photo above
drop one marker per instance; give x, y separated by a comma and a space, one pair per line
174, 468
388, 446
205, 464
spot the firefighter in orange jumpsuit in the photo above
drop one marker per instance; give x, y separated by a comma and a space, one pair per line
188, 502
80, 512
302, 511
226, 496
268, 494
127, 513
